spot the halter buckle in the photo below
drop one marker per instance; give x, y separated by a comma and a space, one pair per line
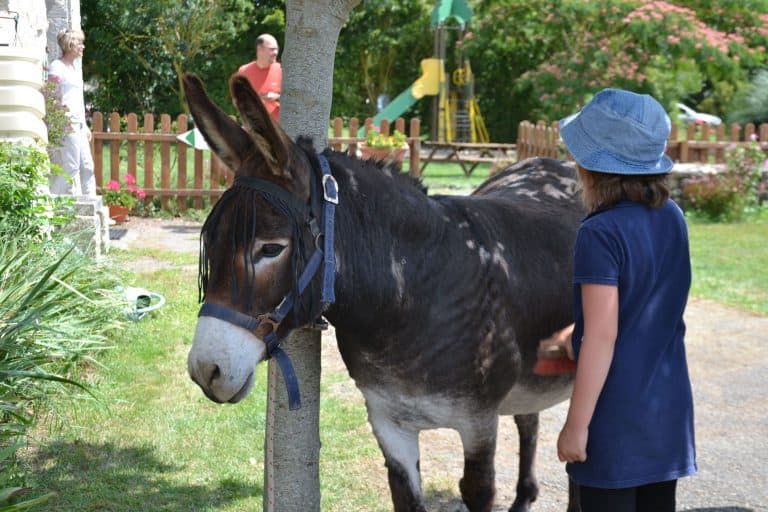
268, 319
330, 194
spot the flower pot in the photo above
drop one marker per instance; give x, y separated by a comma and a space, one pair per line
395, 154
118, 213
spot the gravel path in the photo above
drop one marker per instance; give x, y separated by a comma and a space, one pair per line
727, 357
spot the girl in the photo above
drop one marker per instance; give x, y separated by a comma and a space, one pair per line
629, 435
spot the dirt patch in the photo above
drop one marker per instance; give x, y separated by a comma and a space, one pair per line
177, 235
728, 364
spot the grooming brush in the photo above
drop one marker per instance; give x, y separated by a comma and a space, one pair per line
552, 361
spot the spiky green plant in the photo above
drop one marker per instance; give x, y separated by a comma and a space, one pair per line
56, 308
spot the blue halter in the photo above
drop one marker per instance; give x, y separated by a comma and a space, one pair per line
322, 254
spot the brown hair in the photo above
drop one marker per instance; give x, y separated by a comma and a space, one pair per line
603, 190
69, 39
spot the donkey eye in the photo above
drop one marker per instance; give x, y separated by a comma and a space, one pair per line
271, 250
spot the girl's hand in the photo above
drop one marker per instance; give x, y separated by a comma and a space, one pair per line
559, 340
572, 444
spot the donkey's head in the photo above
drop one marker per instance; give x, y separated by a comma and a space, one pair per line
254, 244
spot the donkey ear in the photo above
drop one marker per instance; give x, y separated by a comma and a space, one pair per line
225, 137
257, 119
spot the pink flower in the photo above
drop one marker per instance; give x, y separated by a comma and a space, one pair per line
113, 185
130, 179
140, 192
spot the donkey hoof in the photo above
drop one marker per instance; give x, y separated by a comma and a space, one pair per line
520, 505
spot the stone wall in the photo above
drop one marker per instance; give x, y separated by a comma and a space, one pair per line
30, 31
683, 172
62, 15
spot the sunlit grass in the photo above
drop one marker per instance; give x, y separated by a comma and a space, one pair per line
154, 442
729, 263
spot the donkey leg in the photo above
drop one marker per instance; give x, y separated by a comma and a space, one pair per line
400, 447
478, 486
527, 486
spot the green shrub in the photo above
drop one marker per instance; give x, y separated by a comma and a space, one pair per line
24, 199
729, 195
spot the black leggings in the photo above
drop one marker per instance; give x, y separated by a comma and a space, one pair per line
657, 497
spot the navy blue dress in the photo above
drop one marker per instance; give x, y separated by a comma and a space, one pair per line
642, 428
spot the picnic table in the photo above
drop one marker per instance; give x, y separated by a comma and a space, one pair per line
467, 154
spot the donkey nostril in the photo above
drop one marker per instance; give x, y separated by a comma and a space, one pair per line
215, 374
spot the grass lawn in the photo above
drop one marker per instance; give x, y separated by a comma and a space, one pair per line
153, 442
729, 263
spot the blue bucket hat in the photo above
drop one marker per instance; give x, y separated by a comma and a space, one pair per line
619, 132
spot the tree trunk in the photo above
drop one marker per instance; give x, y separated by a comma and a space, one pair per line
292, 441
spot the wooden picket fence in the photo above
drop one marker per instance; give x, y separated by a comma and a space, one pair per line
699, 143
186, 181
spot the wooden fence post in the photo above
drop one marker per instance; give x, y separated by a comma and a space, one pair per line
354, 126
149, 156
165, 161
415, 143
182, 125
114, 147
197, 202
749, 131
98, 150
132, 127
338, 132
719, 148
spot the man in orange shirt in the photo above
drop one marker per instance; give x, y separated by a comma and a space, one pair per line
265, 74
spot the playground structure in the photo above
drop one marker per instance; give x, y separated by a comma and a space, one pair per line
456, 114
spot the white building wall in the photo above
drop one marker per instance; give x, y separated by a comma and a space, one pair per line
62, 15
30, 31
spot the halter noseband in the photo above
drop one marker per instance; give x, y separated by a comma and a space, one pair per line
324, 254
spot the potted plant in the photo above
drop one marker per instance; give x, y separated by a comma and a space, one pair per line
122, 200
384, 147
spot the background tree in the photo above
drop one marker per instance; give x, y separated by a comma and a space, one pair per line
379, 52
292, 451
137, 49
750, 104
191, 32
561, 52
532, 60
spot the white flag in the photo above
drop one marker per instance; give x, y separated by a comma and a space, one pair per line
193, 138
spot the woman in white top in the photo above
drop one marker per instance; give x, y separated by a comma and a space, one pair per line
74, 155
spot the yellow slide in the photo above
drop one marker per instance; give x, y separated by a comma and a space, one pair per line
428, 84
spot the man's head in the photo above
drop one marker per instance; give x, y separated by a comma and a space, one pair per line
266, 50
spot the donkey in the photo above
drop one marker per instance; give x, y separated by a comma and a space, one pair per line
438, 302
